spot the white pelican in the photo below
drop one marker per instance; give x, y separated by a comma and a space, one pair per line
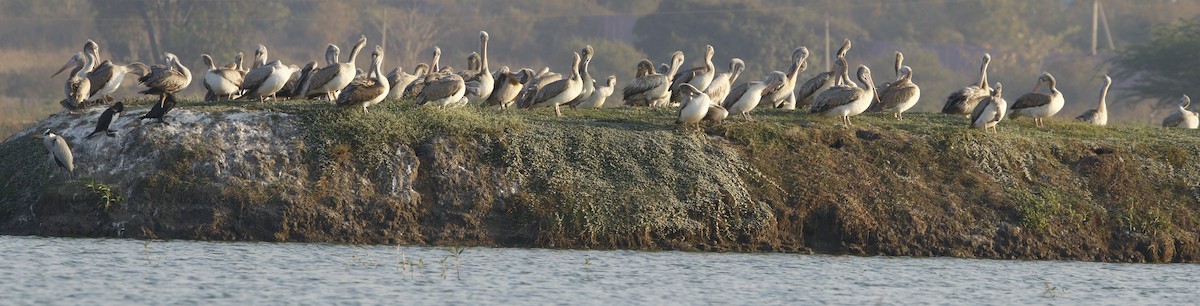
600, 94
723, 82
777, 97
899, 95
699, 77
806, 93
1039, 105
400, 79
989, 111
561, 91
589, 84
333, 78
745, 97
107, 77
695, 105
78, 86
367, 92
1182, 117
846, 101
962, 101
508, 86
166, 79
221, 83
481, 84
1098, 116
651, 88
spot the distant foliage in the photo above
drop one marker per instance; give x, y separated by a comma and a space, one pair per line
1164, 67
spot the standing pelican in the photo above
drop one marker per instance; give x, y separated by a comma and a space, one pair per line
265, 80
589, 84
846, 101
508, 86
481, 83
783, 96
695, 105
220, 82
562, 91
746, 96
166, 79
722, 82
334, 77
59, 151
806, 93
400, 79
1098, 116
899, 95
1182, 117
107, 77
989, 111
1039, 105
699, 77
417, 86
78, 86
367, 92
962, 101
601, 93
651, 88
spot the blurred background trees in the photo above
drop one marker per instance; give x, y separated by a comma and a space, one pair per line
942, 39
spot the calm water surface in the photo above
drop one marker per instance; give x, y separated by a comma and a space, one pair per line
38, 270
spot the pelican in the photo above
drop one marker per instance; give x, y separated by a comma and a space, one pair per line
400, 79
166, 79
1039, 105
746, 96
220, 82
807, 92
295, 88
962, 101
333, 78
722, 82
482, 82
472, 66
367, 92
846, 101
1098, 116
415, 87
652, 88
777, 96
107, 77
695, 105
562, 91
589, 84
1182, 117
600, 94
899, 95
78, 86
699, 77
59, 151
508, 86
989, 111
266, 80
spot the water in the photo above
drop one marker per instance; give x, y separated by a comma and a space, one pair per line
38, 270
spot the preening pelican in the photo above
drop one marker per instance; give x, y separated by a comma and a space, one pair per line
1098, 116
1182, 117
806, 93
370, 91
745, 97
166, 79
221, 83
723, 82
601, 93
989, 111
651, 88
332, 78
783, 96
899, 95
846, 101
962, 101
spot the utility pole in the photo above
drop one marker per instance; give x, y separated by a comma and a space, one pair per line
1104, 22
827, 45
1095, 23
385, 26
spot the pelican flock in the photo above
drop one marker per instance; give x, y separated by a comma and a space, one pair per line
701, 94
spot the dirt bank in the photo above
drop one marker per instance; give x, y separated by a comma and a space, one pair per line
625, 178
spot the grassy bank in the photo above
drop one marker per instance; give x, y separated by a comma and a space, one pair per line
628, 178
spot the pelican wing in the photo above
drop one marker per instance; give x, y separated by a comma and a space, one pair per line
256, 77
440, 88
549, 91
324, 75
979, 108
959, 100
231, 75
836, 96
100, 76
896, 93
1173, 120
642, 85
1088, 116
508, 85
360, 91
810, 87
735, 95
1030, 100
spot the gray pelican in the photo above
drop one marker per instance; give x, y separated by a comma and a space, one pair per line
367, 92
59, 151
1039, 105
806, 93
699, 77
695, 105
472, 66
166, 79
481, 84
589, 84
745, 97
295, 86
434, 73
989, 111
561, 91
265, 80
333, 78
107, 77
846, 101
508, 86
962, 101
651, 88
600, 94
722, 82
220, 82
444, 91
1182, 117
78, 86
777, 97
1098, 116
400, 79
899, 95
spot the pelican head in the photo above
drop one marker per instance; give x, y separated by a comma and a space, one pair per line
331, 54
76, 60
800, 54
260, 51
905, 72
987, 58
709, 51
899, 61
689, 90
644, 67
378, 51
996, 91
483, 35
841, 52
775, 79
237, 60
1183, 103
208, 61
473, 61
587, 52
612, 80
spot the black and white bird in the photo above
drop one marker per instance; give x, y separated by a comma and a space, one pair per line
159, 110
59, 151
109, 116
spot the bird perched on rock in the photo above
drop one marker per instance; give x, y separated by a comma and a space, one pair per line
106, 119
59, 151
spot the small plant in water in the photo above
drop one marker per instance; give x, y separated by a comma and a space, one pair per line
1051, 291
107, 197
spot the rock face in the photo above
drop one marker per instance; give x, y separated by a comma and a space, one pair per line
477, 177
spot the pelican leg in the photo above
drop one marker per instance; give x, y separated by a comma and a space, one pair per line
162, 101
747, 116
557, 111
